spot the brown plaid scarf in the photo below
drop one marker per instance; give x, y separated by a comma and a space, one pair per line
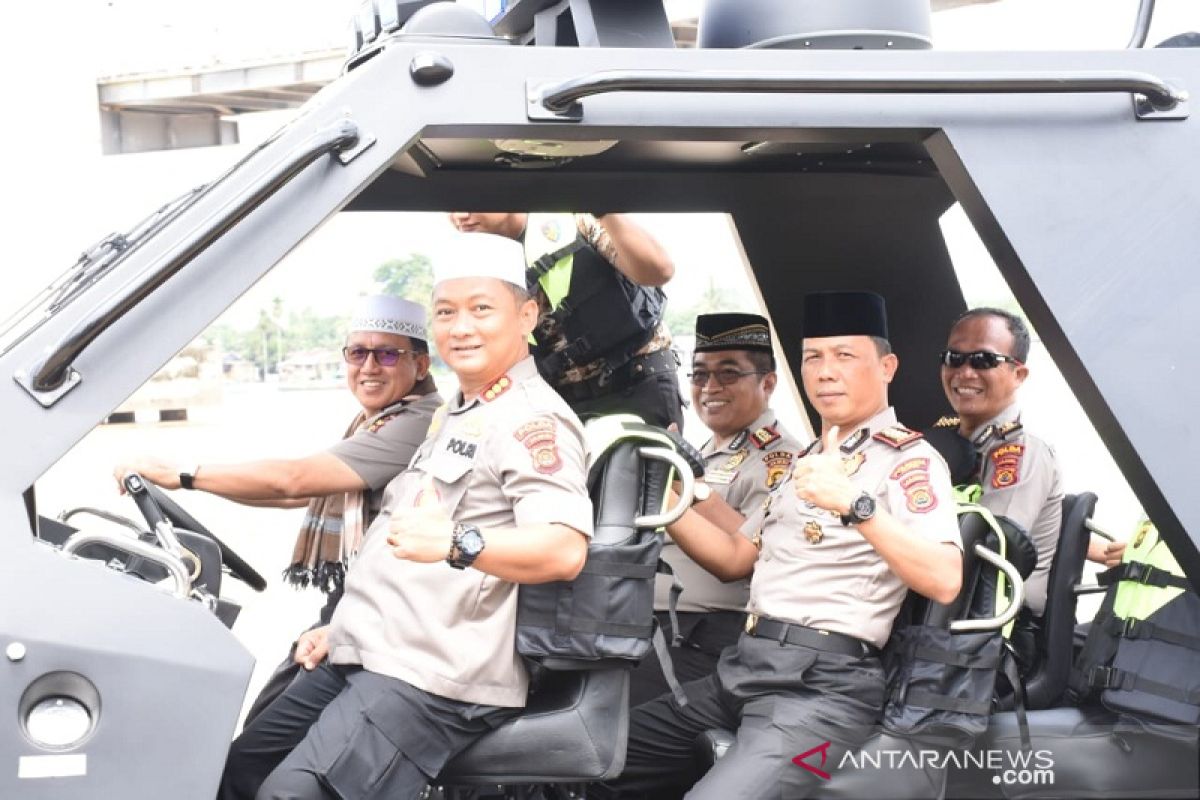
333, 525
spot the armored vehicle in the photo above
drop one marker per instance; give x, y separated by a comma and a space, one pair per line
833, 135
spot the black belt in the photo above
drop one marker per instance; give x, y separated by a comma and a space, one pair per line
631, 372
792, 633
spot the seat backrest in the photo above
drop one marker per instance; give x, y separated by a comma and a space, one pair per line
977, 597
605, 616
1047, 682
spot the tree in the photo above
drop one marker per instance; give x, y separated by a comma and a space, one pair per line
410, 278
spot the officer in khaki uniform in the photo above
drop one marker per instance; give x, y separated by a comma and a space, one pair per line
421, 650
982, 368
868, 514
748, 454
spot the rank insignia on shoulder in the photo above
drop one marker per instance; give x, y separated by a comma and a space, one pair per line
1006, 465
379, 423
765, 436
947, 422
498, 388
856, 439
898, 436
1008, 429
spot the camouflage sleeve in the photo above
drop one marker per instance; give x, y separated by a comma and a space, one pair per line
593, 232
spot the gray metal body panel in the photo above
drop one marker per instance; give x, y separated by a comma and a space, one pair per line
1090, 213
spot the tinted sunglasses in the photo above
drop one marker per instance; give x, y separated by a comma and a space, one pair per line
384, 356
979, 359
725, 377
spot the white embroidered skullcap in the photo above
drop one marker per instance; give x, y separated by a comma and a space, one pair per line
385, 313
480, 255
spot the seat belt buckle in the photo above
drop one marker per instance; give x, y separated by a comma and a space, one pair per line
1106, 677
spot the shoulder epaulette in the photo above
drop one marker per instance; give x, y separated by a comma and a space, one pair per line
898, 436
765, 436
948, 422
1008, 429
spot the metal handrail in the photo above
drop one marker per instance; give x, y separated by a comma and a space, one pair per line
53, 370
169, 561
1091, 526
561, 97
1014, 605
687, 487
1141, 28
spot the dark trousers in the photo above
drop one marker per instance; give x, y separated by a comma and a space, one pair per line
338, 733
705, 636
782, 700
655, 399
288, 669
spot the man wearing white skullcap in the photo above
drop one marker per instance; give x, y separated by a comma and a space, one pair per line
601, 340
419, 659
387, 370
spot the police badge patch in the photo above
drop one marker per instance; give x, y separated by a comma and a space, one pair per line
913, 477
1006, 465
777, 464
540, 438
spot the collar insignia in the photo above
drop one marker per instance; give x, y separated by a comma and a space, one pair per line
984, 436
1008, 429
855, 440
496, 389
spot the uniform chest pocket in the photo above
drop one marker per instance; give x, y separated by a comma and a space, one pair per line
447, 476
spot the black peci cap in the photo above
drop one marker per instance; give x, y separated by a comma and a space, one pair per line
732, 332
844, 314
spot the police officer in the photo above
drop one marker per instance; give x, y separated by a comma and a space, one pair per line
749, 453
600, 339
387, 371
419, 659
868, 514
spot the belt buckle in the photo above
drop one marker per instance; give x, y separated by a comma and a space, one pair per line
751, 623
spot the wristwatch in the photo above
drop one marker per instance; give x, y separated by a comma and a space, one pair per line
187, 480
465, 546
861, 509
701, 491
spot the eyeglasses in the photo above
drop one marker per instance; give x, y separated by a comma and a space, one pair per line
979, 359
725, 377
384, 356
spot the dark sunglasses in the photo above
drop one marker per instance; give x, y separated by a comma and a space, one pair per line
725, 377
384, 356
979, 359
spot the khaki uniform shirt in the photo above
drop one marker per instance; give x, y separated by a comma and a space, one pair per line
817, 572
742, 473
383, 447
513, 456
1021, 480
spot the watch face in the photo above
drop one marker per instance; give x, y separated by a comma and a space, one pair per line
864, 506
470, 543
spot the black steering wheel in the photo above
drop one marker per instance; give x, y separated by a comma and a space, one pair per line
156, 506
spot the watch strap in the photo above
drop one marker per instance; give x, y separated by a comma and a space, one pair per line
187, 480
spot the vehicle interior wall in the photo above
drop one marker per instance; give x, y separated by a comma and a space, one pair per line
802, 232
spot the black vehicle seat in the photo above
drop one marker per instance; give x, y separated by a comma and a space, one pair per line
576, 724
1046, 678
